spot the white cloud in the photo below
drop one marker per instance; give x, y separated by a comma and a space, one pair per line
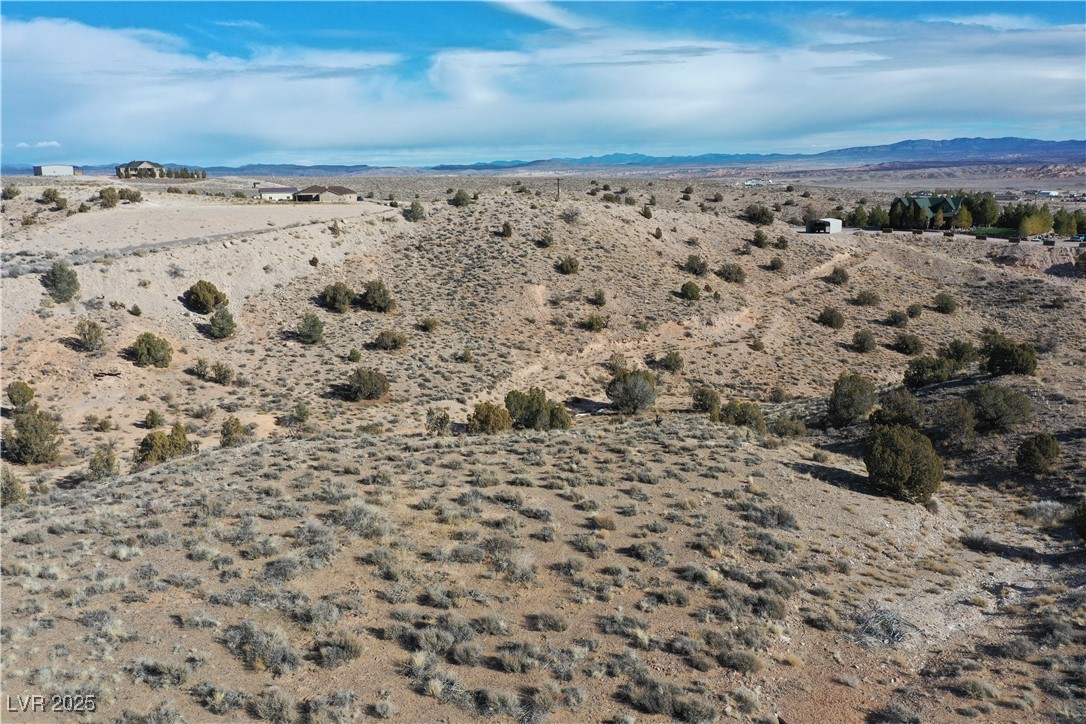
995, 21
241, 25
545, 12
128, 94
47, 144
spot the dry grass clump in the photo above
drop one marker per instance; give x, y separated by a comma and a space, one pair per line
260, 649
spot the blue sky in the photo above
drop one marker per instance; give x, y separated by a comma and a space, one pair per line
209, 83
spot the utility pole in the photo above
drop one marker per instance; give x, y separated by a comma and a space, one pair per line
558, 196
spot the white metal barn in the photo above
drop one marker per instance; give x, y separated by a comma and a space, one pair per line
57, 169
824, 226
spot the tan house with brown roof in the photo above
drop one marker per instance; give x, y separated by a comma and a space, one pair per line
326, 194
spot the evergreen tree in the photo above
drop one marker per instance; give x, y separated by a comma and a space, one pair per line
963, 219
898, 214
879, 217
222, 324
858, 217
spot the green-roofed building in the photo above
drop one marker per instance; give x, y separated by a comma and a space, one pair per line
934, 212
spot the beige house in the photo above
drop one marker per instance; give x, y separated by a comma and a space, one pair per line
326, 194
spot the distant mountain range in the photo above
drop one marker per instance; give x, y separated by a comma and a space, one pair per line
914, 153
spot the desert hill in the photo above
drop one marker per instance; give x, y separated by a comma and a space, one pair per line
655, 566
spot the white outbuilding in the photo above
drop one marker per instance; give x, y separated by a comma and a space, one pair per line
278, 194
57, 169
824, 226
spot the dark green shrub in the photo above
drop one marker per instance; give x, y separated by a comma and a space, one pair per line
36, 438
89, 335
690, 291
20, 394
908, 344
222, 324
867, 298
954, 423
103, 463
853, 395
788, 427
460, 198
925, 371
311, 330
108, 197
897, 318
1006, 357
151, 351
594, 323
10, 191
488, 418
203, 296
366, 384
153, 419
158, 447
437, 421
696, 265
354, 355
758, 214
390, 340
415, 213
831, 317
901, 461
945, 303
999, 408
776, 264
864, 341
429, 324
838, 276
672, 361
337, 297
632, 391
233, 433
899, 407
532, 410
507, 230
760, 240
222, 373
376, 297
12, 490
1037, 454
1077, 519
61, 281
914, 311
706, 399
960, 354
598, 298
567, 265
732, 273
743, 414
